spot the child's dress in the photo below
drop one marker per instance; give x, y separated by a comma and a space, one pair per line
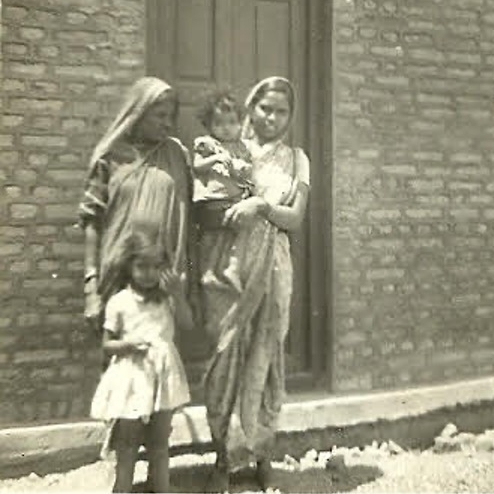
135, 386
216, 185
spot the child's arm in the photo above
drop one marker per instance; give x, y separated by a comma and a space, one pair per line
203, 164
115, 346
175, 286
112, 340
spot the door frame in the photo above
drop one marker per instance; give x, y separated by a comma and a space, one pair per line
319, 145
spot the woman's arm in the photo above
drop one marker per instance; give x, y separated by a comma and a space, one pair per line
174, 284
288, 218
91, 210
183, 313
92, 240
92, 308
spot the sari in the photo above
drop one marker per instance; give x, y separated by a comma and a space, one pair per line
128, 185
245, 380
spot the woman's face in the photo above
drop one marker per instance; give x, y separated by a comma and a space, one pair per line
270, 116
156, 123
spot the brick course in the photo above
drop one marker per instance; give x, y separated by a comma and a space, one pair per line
413, 182
65, 65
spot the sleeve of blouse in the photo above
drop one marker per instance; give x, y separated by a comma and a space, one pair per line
303, 167
113, 315
95, 198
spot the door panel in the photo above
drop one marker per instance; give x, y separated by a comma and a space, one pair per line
195, 54
196, 44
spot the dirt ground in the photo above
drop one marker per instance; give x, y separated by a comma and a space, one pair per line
375, 468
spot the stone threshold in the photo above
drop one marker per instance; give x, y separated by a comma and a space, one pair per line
58, 447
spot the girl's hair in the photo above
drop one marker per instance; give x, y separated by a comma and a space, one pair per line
142, 242
219, 100
278, 85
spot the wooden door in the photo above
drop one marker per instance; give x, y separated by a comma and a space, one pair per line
196, 44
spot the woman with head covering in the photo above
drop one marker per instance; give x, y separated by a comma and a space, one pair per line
137, 174
244, 383
138, 179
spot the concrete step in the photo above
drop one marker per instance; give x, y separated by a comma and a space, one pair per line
411, 418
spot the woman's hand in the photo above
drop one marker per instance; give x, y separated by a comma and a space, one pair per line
92, 304
244, 211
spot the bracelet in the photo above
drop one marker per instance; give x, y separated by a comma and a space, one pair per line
90, 274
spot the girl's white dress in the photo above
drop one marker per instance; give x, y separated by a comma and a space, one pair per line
135, 386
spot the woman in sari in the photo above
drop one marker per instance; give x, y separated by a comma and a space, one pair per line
244, 383
138, 178
137, 174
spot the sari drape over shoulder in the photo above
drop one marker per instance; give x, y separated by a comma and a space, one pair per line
244, 383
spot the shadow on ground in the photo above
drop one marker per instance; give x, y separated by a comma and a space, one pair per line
307, 481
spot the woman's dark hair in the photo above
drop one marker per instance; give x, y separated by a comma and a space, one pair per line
219, 100
278, 85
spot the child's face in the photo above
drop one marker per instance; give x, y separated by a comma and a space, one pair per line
145, 272
225, 126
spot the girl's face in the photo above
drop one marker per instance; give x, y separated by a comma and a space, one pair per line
156, 123
145, 272
270, 116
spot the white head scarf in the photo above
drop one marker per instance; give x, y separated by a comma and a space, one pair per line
256, 93
140, 97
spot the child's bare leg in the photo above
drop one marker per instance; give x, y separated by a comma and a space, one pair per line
232, 272
158, 433
128, 438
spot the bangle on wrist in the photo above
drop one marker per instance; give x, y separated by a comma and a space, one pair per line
90, 274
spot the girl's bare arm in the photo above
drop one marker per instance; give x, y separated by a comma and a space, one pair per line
115, 346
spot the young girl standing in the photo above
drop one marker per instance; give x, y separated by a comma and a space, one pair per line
145, 381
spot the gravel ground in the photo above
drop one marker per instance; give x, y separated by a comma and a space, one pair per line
375, 468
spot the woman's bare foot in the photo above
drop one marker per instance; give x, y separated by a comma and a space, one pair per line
264, 476
218, 481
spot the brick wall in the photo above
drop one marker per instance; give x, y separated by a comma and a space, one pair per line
65, 65
413, 191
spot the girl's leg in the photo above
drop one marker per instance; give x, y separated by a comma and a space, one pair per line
127, 439
264, 474
157, 434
